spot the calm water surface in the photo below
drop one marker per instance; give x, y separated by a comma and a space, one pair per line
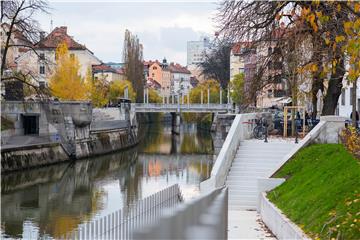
49, 202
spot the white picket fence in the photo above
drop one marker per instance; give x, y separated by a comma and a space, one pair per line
122, 223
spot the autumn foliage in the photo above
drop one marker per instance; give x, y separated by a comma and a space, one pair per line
66, 83
351, 140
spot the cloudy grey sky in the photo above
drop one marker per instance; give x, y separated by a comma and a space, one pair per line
163, 27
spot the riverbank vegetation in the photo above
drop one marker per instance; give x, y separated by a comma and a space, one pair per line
322, 192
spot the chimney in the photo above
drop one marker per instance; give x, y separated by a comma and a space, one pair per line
42, 35
63, 29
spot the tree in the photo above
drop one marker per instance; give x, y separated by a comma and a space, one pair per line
134, 67
117, 89
17, 17
237, 89
212, 85
154, 97
217, 63
324, 21
66, 83
97, 89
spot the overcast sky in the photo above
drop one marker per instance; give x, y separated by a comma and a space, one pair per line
163, 27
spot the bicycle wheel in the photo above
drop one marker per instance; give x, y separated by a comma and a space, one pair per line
261, 133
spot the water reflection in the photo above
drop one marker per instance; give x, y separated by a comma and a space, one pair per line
53, 200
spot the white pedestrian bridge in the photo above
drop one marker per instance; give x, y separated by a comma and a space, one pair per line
174, 107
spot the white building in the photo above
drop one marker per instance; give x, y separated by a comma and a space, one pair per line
43, 62
345, 100
180, 80
196, 50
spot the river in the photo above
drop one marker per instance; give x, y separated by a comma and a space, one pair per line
50, 201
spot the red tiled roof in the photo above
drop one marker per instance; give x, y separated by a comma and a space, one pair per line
236, 49
177, 68
102, 68
57, 36
152, 83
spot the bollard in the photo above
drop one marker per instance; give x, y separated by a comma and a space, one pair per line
296, 135
266, 131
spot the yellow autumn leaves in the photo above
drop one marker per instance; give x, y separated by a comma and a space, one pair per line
67, 84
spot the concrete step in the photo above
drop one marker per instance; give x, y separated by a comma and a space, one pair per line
253, 163
251, 168
244, 178
233, 183
237, 198
242, 190
247, 173
238, 169
256, 161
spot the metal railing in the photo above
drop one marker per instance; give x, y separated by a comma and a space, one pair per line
122, 223
168, 107
203, 218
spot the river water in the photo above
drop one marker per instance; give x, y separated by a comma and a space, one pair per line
50, 201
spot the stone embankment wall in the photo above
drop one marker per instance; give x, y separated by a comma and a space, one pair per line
31, 156
67, 131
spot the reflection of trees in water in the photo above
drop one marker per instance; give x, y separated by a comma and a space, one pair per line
59, 197
160, 140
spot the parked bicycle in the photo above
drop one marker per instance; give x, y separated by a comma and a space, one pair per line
259, 130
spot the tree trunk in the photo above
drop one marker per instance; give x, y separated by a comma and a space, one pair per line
334, 90
353, 92
318, 84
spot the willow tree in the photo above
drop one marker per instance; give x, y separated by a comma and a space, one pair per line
134, 67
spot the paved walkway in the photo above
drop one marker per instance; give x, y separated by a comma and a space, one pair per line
254, 159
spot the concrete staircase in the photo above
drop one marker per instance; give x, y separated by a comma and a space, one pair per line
254, 159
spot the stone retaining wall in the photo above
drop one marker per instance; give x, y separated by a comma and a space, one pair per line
277, 222
32, 156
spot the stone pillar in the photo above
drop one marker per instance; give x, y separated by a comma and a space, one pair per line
175, 123
147, 95
220, 95
202, 97
330, 133
208, 96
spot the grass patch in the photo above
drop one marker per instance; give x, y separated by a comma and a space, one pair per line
6, 124
322, 192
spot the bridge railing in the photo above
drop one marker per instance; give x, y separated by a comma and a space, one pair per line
122, 223
203, 218
185, 106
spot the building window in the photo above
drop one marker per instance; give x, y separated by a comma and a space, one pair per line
351, 96
154, 68
42, 70
241, 70
359, 105
153, 74
42, 56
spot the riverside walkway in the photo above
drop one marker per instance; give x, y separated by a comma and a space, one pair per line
254, 159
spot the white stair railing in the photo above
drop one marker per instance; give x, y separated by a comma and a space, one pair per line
122, 223
202, 218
